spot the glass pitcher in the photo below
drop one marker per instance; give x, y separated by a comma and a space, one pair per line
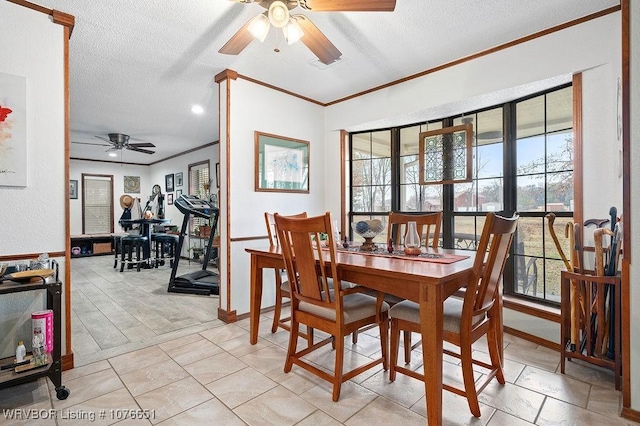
412, 239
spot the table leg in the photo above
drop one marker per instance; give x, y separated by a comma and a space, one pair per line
256, 299
431, 328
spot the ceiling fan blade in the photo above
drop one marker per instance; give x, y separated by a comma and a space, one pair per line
103, 138
239, 41
146, 151
317, 42
348, 5
87, 143
142, 145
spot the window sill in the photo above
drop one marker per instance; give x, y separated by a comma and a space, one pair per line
532, 308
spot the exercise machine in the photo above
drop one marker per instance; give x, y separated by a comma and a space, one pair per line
202, 282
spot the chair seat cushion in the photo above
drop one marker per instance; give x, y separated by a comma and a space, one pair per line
356, 306
410, 311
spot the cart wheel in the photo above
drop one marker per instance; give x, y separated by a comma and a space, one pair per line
161, 263
62, 392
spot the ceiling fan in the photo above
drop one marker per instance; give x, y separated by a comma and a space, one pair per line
120, 141
299, 27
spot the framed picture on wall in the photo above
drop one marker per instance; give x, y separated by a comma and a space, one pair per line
178, 193
168, 182
73, 189
179, 179
281, 164
169, 199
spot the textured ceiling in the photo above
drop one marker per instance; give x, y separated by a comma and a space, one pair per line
137, 66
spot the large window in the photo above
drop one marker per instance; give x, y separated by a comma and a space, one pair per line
522, 161
97, 204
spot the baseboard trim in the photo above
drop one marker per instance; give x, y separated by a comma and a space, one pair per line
67, 362
531, 338
630, 414
227, 316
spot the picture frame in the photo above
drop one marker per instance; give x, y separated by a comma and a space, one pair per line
178, 193
217, 175
178, 180
169, 199
132, 184
168, 183
281, 164
73, 189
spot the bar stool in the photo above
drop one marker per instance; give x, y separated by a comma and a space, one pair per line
127, 245
116, 247
165, 243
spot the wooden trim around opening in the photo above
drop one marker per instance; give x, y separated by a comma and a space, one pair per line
67, 361
578, 176
344, 143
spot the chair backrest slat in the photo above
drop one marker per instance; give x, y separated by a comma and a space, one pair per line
428, 226
272, 231
306, 263
497, 236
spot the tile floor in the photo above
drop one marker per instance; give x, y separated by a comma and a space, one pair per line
165, 356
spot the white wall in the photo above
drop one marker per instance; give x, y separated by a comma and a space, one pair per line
180, 164
280, 114
592, 48
634, 290
118, 171
33, 218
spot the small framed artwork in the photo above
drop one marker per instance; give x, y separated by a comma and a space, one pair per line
178, 193
217, 175
73, 189
281, 164
132, 184
169, 199
168, 183
179, 179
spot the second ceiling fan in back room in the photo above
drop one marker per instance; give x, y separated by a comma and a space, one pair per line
121, 141
299, 27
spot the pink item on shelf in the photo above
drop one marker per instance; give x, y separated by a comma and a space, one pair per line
42, 324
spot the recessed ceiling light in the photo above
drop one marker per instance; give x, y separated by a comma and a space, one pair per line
113, 154
197, 109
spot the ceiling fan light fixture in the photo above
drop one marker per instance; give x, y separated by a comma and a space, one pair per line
292, 31
278, 14
259, 27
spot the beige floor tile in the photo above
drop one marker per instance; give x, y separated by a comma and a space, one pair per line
541, 357
556, 412
84, 370
134, 422
25, 394
88, 387
138, 359
104, 410
211, 412
502, 419
557, 386
241, 386
297, 381
589, 373
279, 406
512, 399
152, 377
353, 398
213, 368
604, 401
241, 346
381, 411
182, 341
511, 369
318, 418
174, 398
192, 352
405, 390
455, 410
266, 359
227, 332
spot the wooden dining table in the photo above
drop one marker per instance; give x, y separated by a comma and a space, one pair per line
425, 282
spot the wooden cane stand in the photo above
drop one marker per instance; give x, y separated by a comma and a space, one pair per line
593, 288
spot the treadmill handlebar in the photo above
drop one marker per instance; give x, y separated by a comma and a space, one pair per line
198, 207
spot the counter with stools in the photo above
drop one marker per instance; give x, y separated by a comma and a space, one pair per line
163, 243
127, 244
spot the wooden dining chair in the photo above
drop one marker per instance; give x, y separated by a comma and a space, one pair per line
337, 311
428, 227
429, 230
282, 282
467, 320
